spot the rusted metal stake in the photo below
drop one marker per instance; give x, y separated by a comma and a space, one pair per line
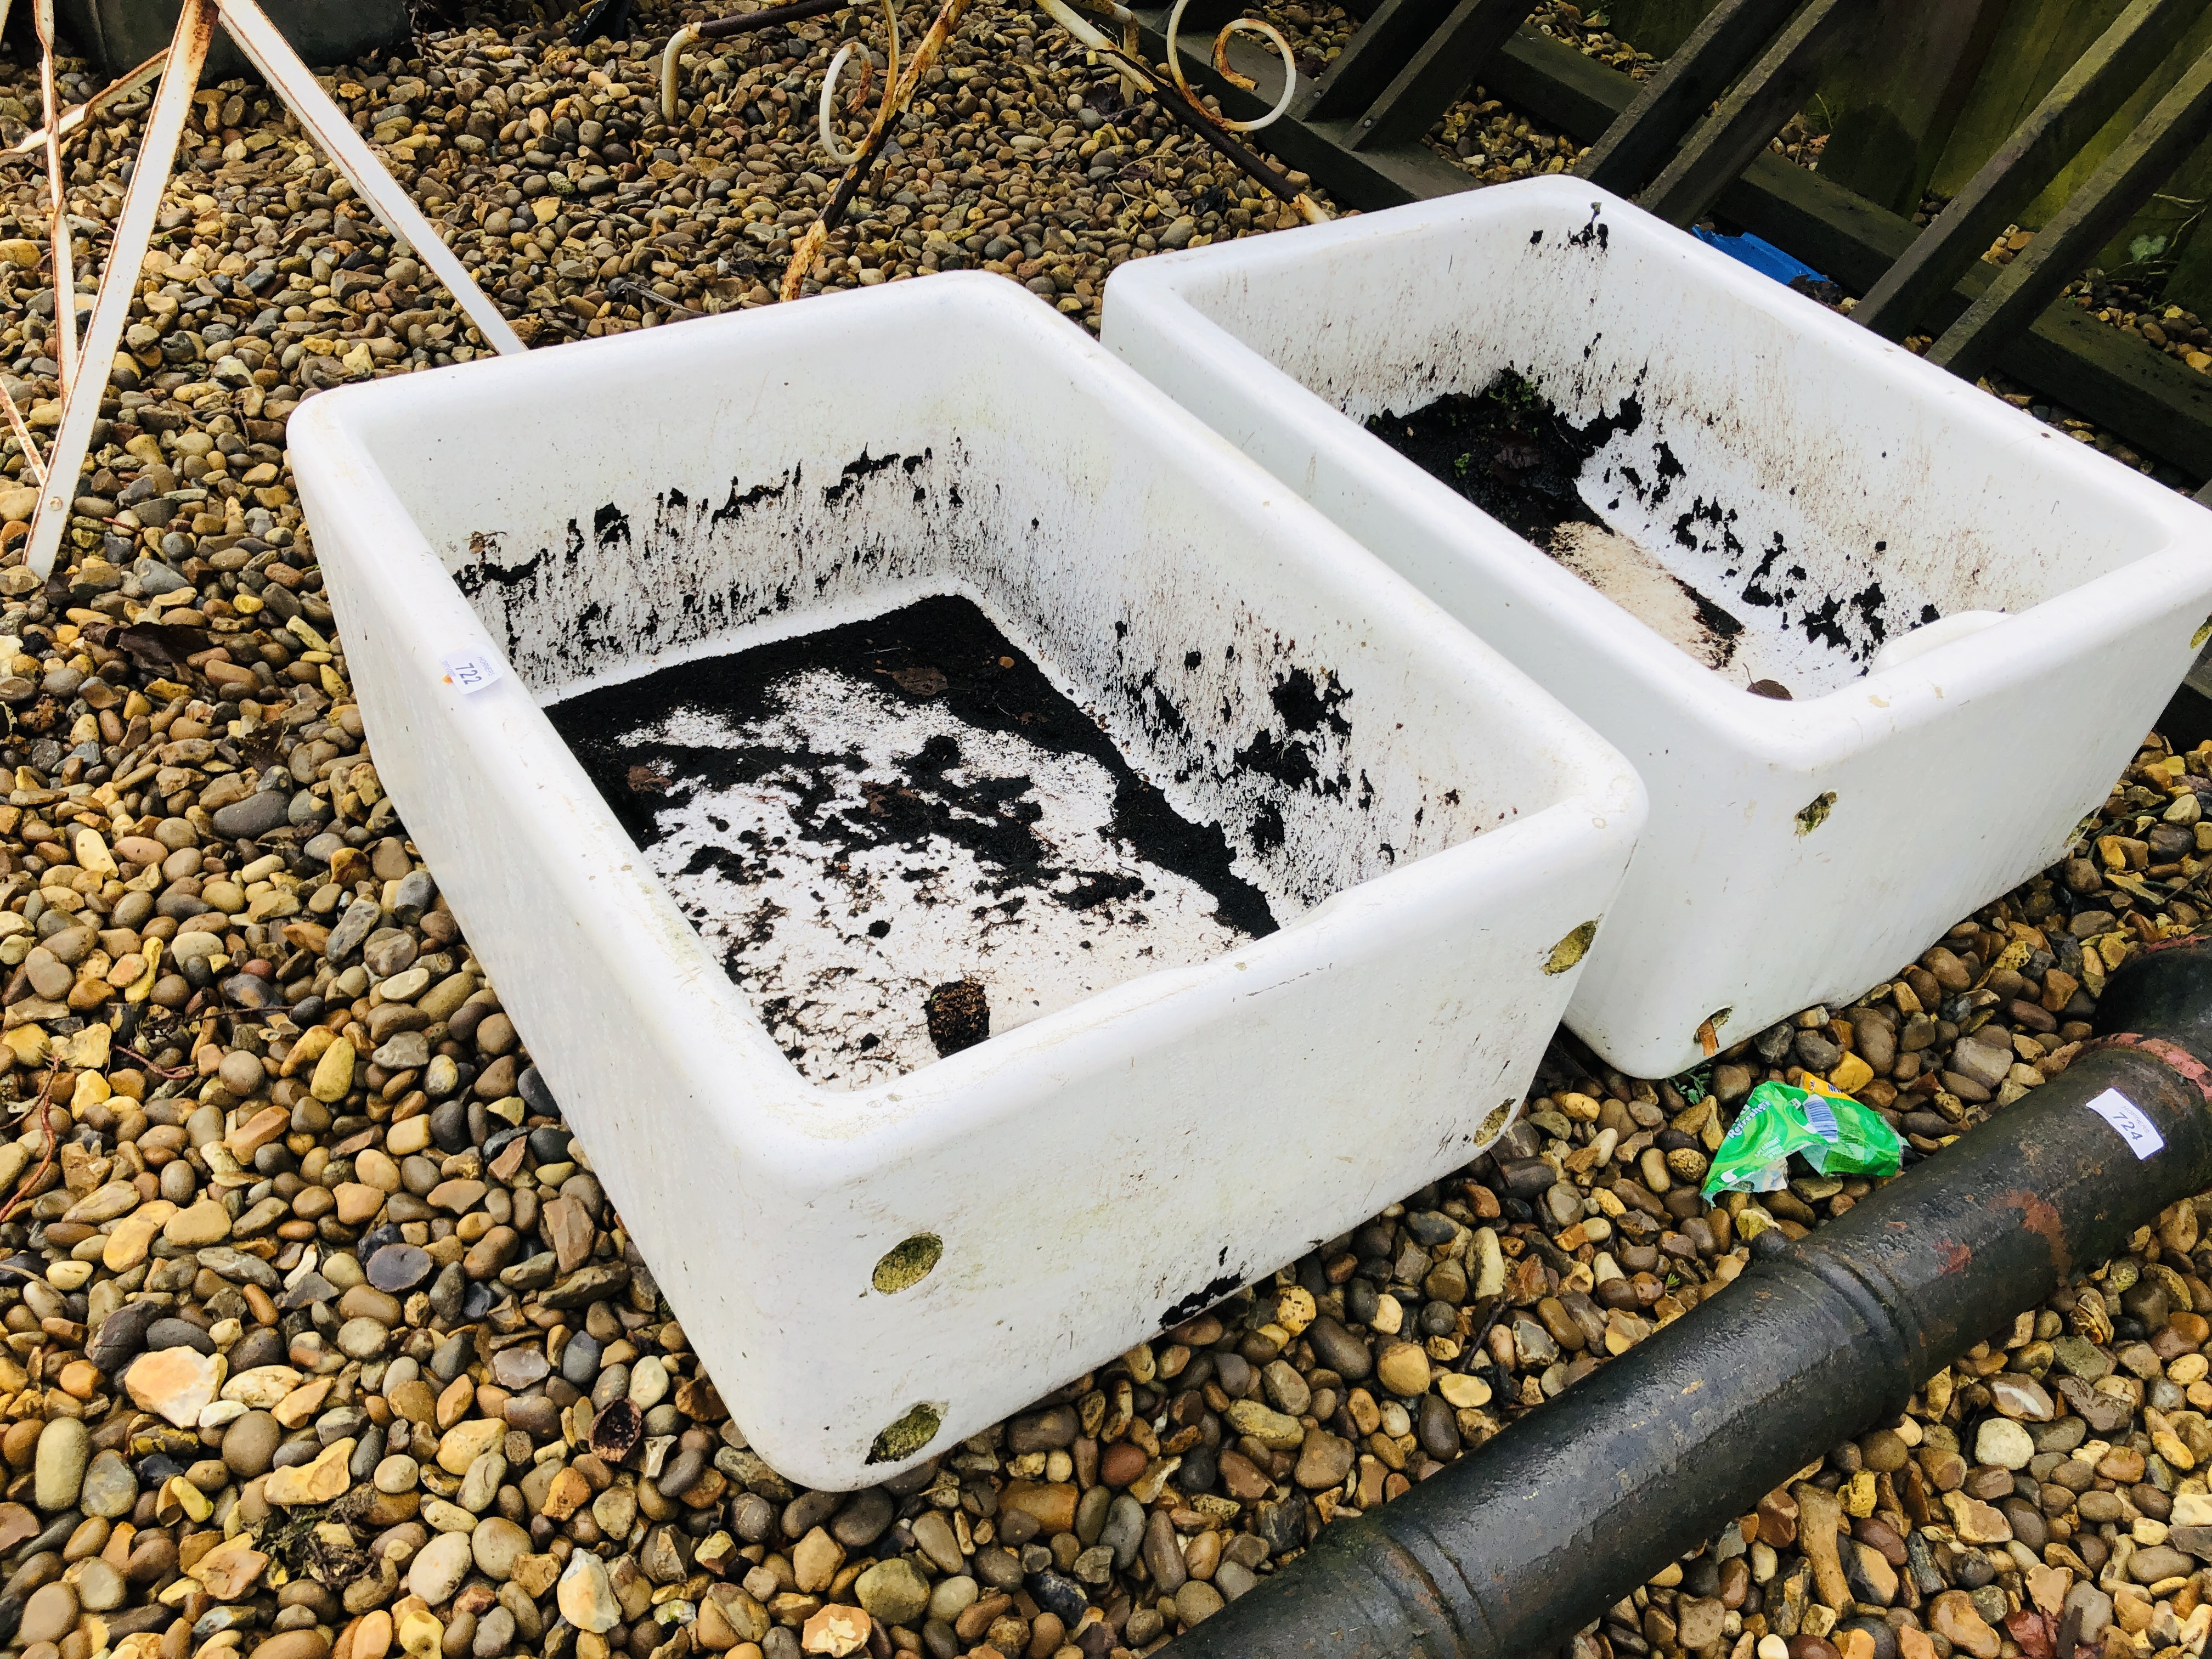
727, 28
75, 119
329, 126
281, 67
827, 112
1186, 110
1253, 26
30, 445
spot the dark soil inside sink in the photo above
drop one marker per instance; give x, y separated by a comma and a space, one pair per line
942, 650
902, 836
1507, 450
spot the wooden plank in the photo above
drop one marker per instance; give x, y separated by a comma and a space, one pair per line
2075, 109
1550, 81
2109, 377
1771, 90
2156, 83
1202, 18
1658, 26
1440, 71
2181, 120
1889, 109
2037, 43
1637, 145
1371, 59
2189, 285
2166, 218
2114, 380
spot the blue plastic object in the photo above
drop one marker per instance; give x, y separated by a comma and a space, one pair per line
1760, 255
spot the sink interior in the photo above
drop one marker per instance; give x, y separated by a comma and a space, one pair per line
891, 823
1702, 446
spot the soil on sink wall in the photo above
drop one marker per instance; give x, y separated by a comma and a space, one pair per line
1510, 453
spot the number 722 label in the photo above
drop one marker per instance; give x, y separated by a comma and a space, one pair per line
470, 670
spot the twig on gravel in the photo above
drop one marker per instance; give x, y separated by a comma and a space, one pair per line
46, 1123
941, 30
1190, 111
628, 290
170, 1073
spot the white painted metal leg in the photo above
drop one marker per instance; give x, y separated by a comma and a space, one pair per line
72, 119
327, 125
32, 461
57, 235
157, 152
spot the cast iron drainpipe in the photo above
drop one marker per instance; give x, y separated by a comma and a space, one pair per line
1507, 1552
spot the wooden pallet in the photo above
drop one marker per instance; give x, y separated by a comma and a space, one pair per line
1692, 141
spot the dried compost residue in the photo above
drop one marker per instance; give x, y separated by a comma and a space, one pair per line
1509, 450
866, 816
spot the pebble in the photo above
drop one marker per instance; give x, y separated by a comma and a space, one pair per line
586, 1594
439, 1568
57, 1472
2004, 1442
353, 977
894, 1593
497, 1544
110, 1488
1403, 1368
49, 1614
177, 1383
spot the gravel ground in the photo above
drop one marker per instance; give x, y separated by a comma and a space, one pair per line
320, 1333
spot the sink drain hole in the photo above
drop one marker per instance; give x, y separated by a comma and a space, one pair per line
905, 1265
903, 1438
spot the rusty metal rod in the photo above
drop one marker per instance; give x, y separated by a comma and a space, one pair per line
745, 22
895, 98
126, 256
1518, 1546
1149, 82
1274, 183
72, 119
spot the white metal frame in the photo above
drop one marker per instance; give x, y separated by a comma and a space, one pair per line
85, 373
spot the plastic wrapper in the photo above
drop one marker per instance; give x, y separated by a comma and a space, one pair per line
1832, 1133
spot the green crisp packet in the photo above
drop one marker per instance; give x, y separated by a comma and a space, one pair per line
1833, 1133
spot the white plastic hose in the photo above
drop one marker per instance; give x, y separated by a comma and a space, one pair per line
835, 151
682, 38
1235, 26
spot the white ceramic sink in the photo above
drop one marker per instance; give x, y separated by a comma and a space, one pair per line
874, 1250
1753, 456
